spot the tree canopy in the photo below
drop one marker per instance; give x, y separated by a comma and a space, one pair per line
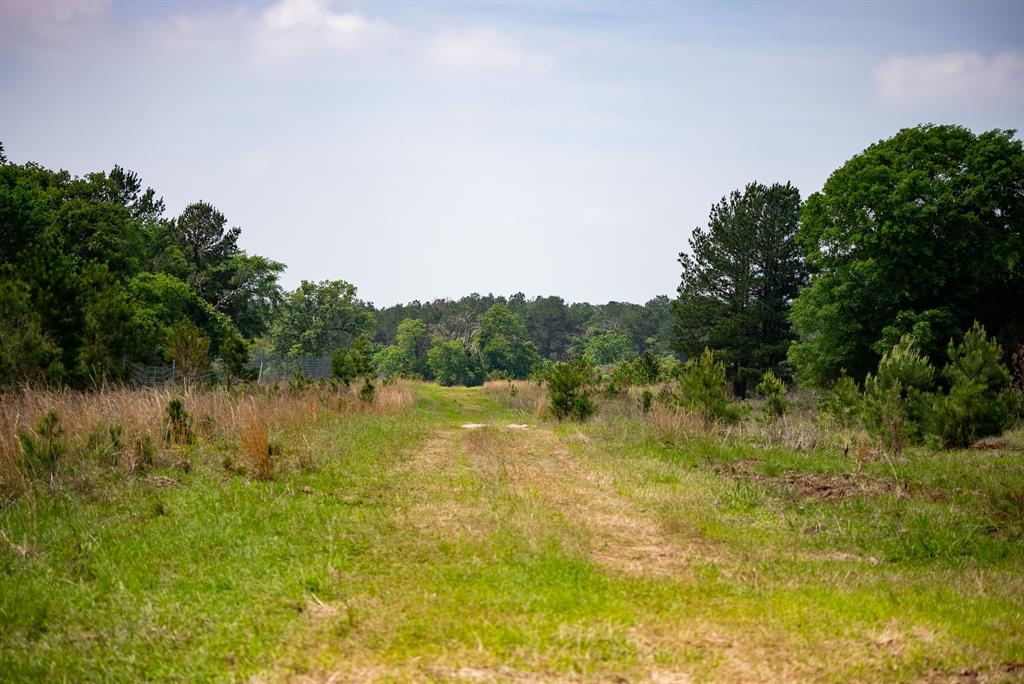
922, 233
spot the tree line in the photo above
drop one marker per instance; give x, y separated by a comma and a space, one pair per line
921, 234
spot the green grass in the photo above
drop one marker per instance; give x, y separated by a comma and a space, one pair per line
410, 548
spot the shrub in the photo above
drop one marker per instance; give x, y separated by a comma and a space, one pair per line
189, 349
47, 447
702, 387
620, 379
646, 401
367, 392
840, 404
178, 424
646, 369
235, 354
979, 402
774, 392
354, 362
897, 400
568, 383
539, 371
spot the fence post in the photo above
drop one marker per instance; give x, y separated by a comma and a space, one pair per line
174, 370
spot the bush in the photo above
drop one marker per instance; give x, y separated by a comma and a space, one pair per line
620, 379
539, 371
354, 362
47, 447
235, 354
897, 400
178, 424
702, 387
646, 369
979, 403
841, 402
568, 383
774, 392
367, 392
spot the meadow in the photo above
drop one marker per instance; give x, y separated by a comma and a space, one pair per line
461, 534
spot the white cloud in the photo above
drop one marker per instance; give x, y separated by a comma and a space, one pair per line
483, 48
949, 77
290, 29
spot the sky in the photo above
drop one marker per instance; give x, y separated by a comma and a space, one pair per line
423, 150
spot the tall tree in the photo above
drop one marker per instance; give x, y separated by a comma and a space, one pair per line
740, 280
320, 318
549, 327
503, 342
922, 233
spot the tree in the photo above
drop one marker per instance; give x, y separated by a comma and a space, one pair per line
449, 362
922, 233
979, 402
602, 347
569, 384
318, 318
201, 235
549, 327
413, 343
189, 350
739, 282
503, 343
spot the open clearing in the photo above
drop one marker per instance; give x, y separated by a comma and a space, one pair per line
467, 541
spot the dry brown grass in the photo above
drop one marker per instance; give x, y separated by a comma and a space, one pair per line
139, 418
256, 448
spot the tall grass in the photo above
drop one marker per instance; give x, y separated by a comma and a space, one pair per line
130, 427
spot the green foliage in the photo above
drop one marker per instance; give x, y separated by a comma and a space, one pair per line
189, 349
737, 285
451, 364
503, 343
646, 400
568, 385
979, 403
917, 229
367, 392
840, 404
25, 354
539, 371
235, 354
413, 344
647, 369
389, 362
356, 361
178, 423
317, 318
621, 378
702, 387
602, 347
100, 276
44, 450
774, 392
897, 400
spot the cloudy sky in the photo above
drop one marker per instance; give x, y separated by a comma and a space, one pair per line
424, 150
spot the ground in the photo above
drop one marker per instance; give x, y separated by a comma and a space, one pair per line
468, 541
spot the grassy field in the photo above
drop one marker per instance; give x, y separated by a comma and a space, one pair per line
462, 536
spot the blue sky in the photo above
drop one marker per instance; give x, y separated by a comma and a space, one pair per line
424, 150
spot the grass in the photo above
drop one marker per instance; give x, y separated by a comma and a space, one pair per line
391, 543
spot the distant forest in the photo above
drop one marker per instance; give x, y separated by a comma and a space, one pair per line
920, 235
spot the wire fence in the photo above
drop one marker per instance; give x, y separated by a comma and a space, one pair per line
263, 368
